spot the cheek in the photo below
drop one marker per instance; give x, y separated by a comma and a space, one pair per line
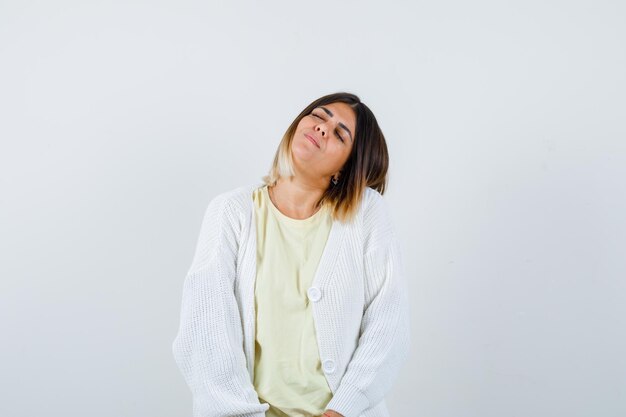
305, 123
340, 153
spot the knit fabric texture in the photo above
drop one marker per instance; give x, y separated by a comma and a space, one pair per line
360, 309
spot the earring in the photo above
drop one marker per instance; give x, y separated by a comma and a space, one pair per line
335, 181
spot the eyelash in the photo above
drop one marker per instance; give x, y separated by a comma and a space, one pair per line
338, 135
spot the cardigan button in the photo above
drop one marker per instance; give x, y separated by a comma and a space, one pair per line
314, 294
329, 366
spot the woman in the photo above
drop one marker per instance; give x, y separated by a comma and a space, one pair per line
295, 304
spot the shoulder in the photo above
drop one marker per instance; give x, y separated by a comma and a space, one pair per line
236, 200
378, 228
230, 211
374, 204
371, 195
224, 222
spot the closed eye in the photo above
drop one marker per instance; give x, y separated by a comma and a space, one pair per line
336, 131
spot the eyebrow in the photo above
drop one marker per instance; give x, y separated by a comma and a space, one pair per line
330, 113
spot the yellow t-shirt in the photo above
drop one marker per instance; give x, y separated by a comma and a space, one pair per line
287, 371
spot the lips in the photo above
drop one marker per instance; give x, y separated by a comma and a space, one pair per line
309, 137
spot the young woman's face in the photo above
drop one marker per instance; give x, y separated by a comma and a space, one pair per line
323, 139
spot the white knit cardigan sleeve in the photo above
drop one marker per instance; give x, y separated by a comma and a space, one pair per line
208, 348
384, 341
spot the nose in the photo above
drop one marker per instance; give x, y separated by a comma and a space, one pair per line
318, 128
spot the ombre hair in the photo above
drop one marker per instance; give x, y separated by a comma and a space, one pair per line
365, 167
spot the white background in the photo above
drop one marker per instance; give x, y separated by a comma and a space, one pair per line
505, 121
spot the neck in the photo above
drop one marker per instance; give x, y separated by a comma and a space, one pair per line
296, 197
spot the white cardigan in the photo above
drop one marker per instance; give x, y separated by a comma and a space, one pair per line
359, 303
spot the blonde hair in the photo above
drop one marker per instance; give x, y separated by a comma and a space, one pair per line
366, 166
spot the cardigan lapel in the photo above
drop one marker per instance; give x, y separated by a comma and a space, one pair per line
329, 253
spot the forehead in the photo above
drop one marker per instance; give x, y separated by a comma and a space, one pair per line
343, 112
